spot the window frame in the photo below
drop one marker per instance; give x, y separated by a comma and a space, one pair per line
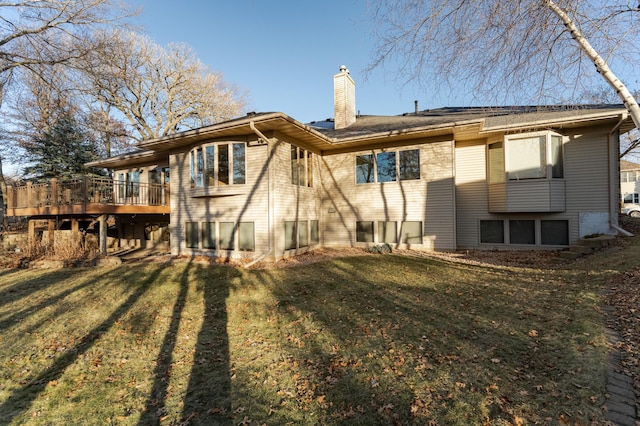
368, 166
301, 160
218, 164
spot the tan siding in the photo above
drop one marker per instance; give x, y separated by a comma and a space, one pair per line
428, 200
585, 181
471, 191
292, 202
249, 203
586, 174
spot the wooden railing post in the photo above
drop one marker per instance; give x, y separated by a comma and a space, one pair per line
85, 192
29, 195
10, 197
54, 192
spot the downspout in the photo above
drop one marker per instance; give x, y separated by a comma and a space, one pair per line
614, 212
269, 203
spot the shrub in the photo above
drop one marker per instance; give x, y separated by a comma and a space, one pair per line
380, 248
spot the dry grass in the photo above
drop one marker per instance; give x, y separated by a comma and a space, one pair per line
363, 339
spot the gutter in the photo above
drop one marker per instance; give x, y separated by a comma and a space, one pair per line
269, 201
613, 224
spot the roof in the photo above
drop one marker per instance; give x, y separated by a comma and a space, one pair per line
461, 123
493, 118
628, 165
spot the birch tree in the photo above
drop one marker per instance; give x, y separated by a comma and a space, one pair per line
525, 49
158, 90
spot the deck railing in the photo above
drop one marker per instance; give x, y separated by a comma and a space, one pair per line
87, 190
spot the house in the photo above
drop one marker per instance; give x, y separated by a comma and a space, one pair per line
266, 186
629, 182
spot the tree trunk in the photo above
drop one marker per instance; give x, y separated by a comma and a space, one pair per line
601, 65
3, 193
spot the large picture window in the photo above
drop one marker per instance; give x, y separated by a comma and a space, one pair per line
218, 165
388, 166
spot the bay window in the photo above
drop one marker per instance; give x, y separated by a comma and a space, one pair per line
526, 157
218, 165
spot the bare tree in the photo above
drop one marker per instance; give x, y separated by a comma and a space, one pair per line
545, 49
630, 141
48, 32
158, 90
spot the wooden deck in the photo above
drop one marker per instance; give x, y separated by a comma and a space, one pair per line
87, 196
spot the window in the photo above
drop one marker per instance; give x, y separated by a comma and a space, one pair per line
290, 242
301, 167
192, 234
522, 232
386, 163
227, 233
631, 199
492, 232
409, 164
364, 232
217, 165
197, 166
364, 168
133, 184
527, 158
388, 166
246, 236
388, 232
298, 234
628, 176
223, 165
554, 232
209, 239
496, 162
314, 232
411, 232
210, 153
557, 163
524, 157
239, 164
303, 234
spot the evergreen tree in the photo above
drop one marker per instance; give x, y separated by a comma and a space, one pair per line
61, 151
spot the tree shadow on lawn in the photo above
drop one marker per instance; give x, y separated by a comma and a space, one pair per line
47, 283
25, 288
407, 348
208, 395
21, 399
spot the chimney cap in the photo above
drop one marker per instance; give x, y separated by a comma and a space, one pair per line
343, 68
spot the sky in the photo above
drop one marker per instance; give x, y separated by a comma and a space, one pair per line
284, 52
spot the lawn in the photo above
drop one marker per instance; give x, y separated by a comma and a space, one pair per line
371, 339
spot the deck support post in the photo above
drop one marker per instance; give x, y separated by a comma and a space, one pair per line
51, 230
75, 231
31, 231
102, 220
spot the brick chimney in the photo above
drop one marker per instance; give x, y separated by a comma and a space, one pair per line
344, 99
